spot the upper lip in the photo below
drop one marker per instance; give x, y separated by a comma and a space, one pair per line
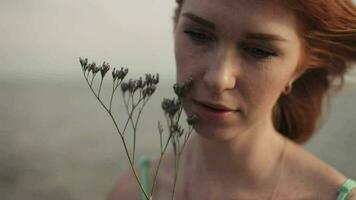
217, 106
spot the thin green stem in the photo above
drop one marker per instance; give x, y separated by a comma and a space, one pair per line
133, 169
101, 83
187, 135
176, 163
130, 113
132, 100
159, 164
112, 94
160, 131
92, 79
135, 127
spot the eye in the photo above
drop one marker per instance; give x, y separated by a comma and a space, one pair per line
198, 37
259, 52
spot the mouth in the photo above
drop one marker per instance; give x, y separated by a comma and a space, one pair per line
214, 110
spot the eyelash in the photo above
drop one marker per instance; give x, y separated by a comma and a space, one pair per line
198, 37
201, 38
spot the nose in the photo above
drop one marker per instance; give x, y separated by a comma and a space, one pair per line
220, 74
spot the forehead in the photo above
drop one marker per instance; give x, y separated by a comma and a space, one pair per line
245, 15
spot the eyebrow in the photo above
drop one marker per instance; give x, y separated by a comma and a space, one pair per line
264, 36
247, 35
199, 20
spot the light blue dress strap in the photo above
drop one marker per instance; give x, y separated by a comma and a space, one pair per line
144, 174
345, 188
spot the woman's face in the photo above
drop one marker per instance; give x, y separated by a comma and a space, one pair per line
241, 55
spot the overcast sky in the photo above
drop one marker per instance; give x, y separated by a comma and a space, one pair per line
42, 39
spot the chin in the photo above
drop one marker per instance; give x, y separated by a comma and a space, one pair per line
219, 134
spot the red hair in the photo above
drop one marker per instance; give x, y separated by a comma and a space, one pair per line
328, 31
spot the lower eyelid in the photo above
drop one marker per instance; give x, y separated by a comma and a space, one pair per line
192, 34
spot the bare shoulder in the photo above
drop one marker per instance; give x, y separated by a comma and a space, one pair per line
351, 195
125, 188
310, 177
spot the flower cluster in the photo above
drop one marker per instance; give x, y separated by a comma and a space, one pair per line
151, 79
104, 69
177, 130
84, 63
146, 87
192, 120
92, 67
139, 90
171, 106
119, 74
182, 89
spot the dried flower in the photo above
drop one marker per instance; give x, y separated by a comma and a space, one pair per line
84, 63
148, 79
95, 69
122, 73
124, 87
151, 79
176, 130
113, 74
171, 106
132, 86
140, 83
104, 69
119, 74
182, 89
91, 66
155, 79
148, 91
192, 120
146, 87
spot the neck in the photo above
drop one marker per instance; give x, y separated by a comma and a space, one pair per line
248, 161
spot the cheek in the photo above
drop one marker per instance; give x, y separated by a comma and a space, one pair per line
186, 62
181, 61
263, 91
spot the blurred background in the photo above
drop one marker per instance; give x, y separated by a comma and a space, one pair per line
56, 142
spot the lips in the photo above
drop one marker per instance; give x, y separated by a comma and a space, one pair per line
215, 106
216, 112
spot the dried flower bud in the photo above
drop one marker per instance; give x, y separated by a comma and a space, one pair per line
140, 83
182, 90
91, 66
124, 72
118, 74
171, 106
150, 90
192, 120
132, 84
84, 63
104, 69
188, 83
176, 130
96, 69
155, 79
124, 87
114, 74
178, 89
148, 79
